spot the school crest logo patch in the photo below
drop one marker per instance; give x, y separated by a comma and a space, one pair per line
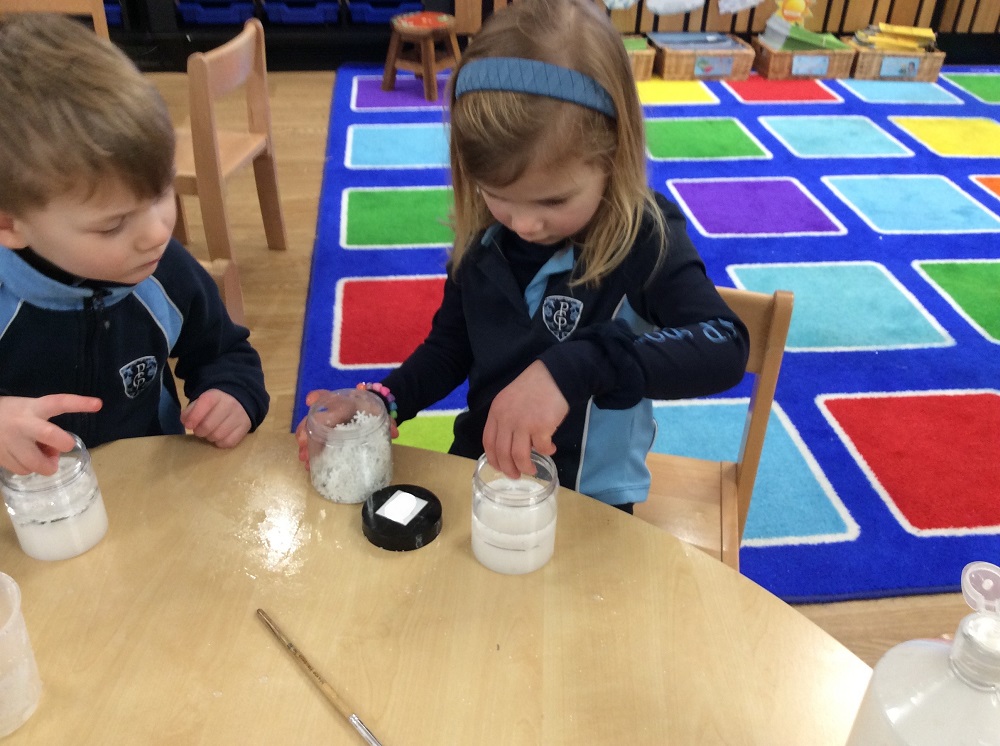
138, 375
561, 314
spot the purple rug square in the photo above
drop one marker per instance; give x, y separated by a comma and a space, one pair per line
407, 95
775, 206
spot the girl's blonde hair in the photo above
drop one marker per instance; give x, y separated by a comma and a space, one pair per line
497, 135
74, 110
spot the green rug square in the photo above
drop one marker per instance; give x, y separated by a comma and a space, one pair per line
428, 430
984, 86
396, 218
701, 138
971, 288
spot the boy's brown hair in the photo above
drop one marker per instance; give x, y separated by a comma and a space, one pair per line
74, 110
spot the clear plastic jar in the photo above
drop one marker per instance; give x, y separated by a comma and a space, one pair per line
350, 447
514, 520
59, 516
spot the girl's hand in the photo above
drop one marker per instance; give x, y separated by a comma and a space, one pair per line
523, 417
217, 417
28, 441
302, 437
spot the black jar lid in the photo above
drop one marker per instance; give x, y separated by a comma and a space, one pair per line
404, 524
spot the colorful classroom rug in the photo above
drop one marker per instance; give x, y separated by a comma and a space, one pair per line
876, 202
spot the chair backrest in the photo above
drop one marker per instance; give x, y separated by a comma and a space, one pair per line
92, 8
211, 75
767, 317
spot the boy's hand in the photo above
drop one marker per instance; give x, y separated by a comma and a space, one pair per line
28, 441
302, 437
523, 417
218, 418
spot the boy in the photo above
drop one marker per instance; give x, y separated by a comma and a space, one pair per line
95, 296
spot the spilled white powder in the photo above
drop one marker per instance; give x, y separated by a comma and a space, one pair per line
356, 461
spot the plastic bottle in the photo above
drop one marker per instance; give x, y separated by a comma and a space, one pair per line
936, 693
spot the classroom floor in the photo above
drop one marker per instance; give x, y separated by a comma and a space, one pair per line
274, 288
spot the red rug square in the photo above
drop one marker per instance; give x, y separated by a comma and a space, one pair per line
380, 321
756, 89
933, 455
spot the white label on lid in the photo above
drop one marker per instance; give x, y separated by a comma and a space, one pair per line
402, 507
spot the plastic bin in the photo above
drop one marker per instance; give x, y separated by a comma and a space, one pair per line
208, 13
371, 12
113, 12
293, 12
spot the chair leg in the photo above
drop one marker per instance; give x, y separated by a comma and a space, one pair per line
180, 225
427, 63
212, 198
227, 278
265, 172
389, 75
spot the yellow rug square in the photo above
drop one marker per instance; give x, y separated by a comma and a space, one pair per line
658, 91
956, 137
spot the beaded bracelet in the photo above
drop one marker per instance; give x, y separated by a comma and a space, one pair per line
385, 394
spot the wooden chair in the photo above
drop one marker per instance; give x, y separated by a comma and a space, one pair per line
93, 9
705, 503
208, 154
414, 46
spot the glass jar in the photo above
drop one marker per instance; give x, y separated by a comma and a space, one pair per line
350, 447
514, 520
59, 516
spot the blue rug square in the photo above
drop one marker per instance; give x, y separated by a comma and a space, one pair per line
899, 92
793, 502
842, 306
822, 136
912, 203
387, 146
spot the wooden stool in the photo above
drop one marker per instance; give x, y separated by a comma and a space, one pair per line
421, 33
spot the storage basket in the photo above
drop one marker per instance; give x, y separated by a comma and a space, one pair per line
884, 64
777, 64
732, 63
640, 56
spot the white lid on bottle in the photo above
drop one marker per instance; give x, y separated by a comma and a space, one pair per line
975, 654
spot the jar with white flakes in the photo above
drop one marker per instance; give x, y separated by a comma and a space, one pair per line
57, 516
350, 447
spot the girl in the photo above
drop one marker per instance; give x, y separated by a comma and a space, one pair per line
574, 295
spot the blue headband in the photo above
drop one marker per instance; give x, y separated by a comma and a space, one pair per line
531, 76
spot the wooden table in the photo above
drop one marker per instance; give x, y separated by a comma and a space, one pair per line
625, 636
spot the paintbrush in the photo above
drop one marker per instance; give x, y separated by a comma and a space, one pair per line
318, 679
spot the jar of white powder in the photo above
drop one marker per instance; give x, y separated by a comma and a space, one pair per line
350, 449
514, 520
59, 516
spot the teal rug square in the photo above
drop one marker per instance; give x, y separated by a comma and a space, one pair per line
825, 136
841, 306
793, 502
899, 92
397, 146
912, 203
